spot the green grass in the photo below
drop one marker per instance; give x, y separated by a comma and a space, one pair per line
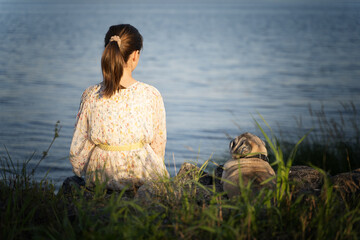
334, 149
331, 144
180, 209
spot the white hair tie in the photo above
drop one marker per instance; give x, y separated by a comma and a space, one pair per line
117, 39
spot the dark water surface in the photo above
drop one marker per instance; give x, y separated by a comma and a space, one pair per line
213, 63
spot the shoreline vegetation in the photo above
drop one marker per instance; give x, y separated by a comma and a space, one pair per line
185, 208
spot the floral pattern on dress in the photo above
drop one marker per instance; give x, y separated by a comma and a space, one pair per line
132, 115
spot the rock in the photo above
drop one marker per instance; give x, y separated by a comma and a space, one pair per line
217, 178
72, 185
347, 183
148, 192
304, 178
188, 173
173, 190
184, 183
72, 182
206, 179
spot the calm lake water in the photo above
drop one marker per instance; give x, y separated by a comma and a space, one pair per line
216, 65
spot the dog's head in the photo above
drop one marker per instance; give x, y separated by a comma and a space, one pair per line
247, 143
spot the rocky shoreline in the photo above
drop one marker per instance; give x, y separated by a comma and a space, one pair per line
302, 179
318, 207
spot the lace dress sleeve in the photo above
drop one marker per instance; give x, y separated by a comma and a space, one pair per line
81, 146
159, 141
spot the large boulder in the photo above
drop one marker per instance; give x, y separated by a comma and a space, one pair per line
348, 183
305, 179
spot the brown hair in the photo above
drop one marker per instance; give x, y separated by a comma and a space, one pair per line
115, 57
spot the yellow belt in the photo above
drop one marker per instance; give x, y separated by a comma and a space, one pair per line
127, 147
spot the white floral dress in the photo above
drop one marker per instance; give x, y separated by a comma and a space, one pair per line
134, 116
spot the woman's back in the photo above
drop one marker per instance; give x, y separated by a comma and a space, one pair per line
120, 133
127, 117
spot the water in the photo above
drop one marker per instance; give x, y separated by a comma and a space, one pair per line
214, 63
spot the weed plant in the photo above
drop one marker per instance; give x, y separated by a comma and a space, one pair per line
25, 204
332, 144
177, 208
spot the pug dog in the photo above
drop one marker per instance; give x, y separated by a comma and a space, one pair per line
249, 156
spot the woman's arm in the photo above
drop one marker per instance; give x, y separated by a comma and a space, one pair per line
159, 141
81, 146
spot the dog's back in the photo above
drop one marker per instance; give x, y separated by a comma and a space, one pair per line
252, 170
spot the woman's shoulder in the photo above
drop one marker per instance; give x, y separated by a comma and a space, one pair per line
149, 89
91, 91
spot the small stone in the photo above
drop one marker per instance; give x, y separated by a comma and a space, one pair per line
145, 194
217, 178
184, 183
188, 172
72, 183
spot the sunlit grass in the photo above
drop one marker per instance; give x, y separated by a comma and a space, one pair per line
177, 208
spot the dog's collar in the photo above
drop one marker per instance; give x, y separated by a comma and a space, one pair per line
261, 156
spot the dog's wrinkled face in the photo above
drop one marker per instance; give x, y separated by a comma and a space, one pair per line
247, 143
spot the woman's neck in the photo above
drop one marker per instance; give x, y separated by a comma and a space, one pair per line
127, 79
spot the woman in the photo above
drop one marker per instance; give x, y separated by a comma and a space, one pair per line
120, 131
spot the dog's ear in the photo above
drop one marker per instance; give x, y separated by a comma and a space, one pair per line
231, 145
240, 146
262, 142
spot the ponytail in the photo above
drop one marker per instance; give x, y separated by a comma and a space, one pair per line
112, 64
120, 42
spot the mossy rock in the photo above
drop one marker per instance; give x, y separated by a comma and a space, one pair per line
347, 183
305, 179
